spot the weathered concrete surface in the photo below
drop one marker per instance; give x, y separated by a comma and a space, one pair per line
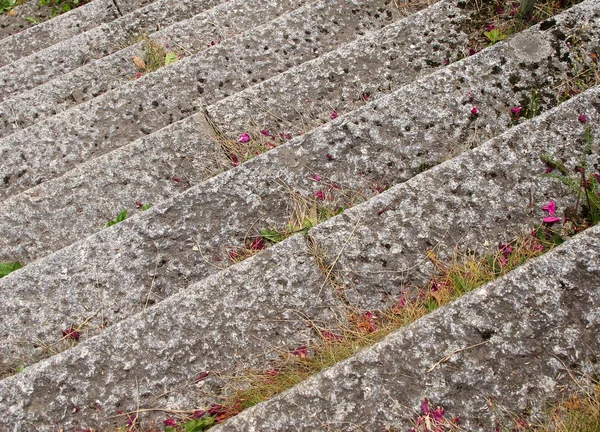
240, 318
60, 58
371, 143
108, 73
157, 248
536, 322
20, 37
475, 201
143, 171
154, 101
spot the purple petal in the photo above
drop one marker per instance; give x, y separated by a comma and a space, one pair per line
551, 219
425, 406
550, 208
583, 119
244, 138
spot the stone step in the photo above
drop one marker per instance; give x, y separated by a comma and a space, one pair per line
50, 30
52, 147
108, 73
62, 27
152, 360
184, 239
144, 170
41, 66
508, 348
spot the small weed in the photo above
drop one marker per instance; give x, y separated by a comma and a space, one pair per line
61, 6
585, 187
7, 5
534, 104
6, 268
156, 56
495, 35
308, 212
120, 218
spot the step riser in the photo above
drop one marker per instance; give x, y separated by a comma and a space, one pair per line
42, 66
107, 74
539, 329
238, 310
173, 93
17, 43
183, 149
124, 259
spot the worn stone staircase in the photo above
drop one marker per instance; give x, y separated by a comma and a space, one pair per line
376, 105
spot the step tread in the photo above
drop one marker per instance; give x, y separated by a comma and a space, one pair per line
174, 92
40, 66
17, 33
105, 74
182, 149
516, 337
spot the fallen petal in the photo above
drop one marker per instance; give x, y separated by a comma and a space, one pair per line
550, 208
244, 138
551, 219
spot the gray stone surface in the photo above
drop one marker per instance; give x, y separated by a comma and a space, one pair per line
243, 317
108, 73
157, 248
172, 93
62, 57
371, 147
536, 325
473, 202
143, 171
21, 38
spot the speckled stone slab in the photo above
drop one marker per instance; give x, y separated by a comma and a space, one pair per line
41, 66
240, 318
21, 37
186, 238
175, 92
519, 338
186, 37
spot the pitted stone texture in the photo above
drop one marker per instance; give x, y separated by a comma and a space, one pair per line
63, 57
342, 80
17, 44
157, 248
240, 318
533, 322
172, 93
108, 73
151, 256
144, 171
379, 145
486, 196
12, 24
127, 6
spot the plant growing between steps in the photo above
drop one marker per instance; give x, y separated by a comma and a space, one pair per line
156, 56
6, 268
61, 6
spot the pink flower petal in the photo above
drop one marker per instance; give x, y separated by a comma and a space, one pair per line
583, 119
320, 195
316, 177
334, 115
474, 110
301, 351
266, 133
244, 138
597, 177
425, 406
170, 422
551, 219
550, 208
516, 110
